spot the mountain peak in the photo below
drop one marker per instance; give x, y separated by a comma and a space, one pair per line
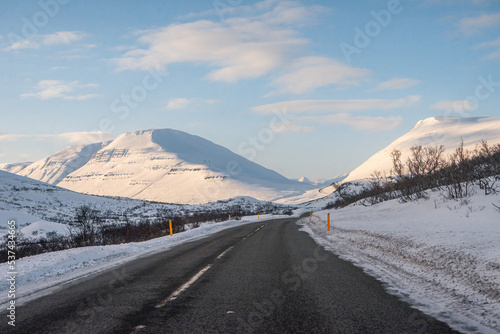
448, 131
168, 165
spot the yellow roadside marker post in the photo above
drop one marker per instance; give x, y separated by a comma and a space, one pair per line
170, 226
311, 213
229, 217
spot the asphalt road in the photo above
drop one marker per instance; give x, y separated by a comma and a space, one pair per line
265, 277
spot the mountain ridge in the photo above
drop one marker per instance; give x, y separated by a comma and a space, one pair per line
448, 131
163, 165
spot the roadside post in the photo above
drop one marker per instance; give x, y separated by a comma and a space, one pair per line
328, 222
170, 226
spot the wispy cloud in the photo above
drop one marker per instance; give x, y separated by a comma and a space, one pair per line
273, 11
457, 106
67, 137
336, 106
474, 25
292, 126
397, 84
178, 103
309, 113
493, 46
5, 137
241, 50
249, 46
373, 124
57, 89
37, 41
309, 73
78, 137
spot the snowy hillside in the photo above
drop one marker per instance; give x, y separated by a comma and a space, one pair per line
30, 201
14, 167
56, 167
175, 167
446, 131
305, 180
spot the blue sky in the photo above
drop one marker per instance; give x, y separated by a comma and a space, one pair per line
307, 88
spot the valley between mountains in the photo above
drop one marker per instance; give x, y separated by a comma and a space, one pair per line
435, 247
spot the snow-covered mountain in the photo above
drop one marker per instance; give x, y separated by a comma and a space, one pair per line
162, 165
14, 167
30, 201
55, 168
305, 180
323, 182
446, 131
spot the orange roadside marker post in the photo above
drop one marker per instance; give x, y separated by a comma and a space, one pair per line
229, 217
311, 213
170, 226
328, 222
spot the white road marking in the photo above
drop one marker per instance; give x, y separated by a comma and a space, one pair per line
186, 285
138, 328
224, 252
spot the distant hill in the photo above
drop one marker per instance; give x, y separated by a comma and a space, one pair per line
446, 131
162, 165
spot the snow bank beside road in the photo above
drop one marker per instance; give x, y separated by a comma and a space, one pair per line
441, 256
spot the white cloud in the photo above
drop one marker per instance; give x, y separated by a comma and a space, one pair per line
79, 137
5, 137
336, 106
273, 11
245, 47
494, 46
339, 112
51, 89
374, 124
57, 68
397, 84
457, 106
473, 25
67, 137
291, 12
291, 126
309, 73
240, 49
36, 41
177, 103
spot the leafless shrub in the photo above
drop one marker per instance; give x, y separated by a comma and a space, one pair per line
426, 169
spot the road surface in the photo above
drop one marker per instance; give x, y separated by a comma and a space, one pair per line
266, 277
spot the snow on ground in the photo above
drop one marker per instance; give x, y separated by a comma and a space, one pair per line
310, 195
31, 227
442, 256
40, 229
39, 274
28, 200
7, 215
